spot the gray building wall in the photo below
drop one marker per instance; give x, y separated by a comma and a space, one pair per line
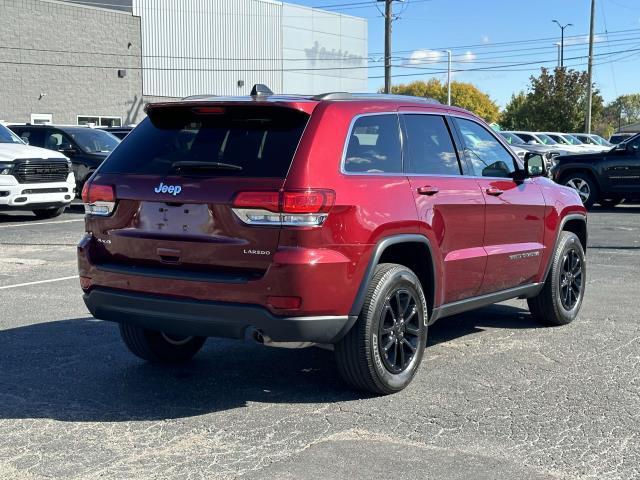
71, 53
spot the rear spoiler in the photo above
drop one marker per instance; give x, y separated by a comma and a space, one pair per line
222, 102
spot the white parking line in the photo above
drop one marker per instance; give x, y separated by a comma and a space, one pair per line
41, 223
38, 282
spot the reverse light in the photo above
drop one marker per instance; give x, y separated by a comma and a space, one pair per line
98, 199
295, 208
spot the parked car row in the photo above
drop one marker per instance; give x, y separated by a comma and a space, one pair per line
43, 167
607, 177
601, 172
86, 147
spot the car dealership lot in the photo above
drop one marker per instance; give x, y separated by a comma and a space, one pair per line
497, 396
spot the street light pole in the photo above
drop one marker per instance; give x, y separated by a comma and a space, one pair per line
562, 27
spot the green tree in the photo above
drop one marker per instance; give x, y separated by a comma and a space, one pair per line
555, 101
624, 110
514, 116
464, 95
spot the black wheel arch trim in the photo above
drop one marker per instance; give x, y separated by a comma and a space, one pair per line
374, 260
563, 223
580, 168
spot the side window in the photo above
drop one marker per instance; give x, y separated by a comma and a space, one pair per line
527, 138
56, 140
488, 157
634, 144
429, 148
374, 145
34, 137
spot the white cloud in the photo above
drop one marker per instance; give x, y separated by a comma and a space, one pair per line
468, 57
485, 39
421, 57
583, 39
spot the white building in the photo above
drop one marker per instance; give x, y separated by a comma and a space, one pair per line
223, 47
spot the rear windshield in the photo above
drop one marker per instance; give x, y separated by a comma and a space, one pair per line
211, 141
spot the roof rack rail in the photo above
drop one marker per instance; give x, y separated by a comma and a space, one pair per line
333, 96
374, 96
198, 97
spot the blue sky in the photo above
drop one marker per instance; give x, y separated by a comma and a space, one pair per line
476, 31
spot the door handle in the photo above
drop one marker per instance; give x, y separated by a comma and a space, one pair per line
428, 190
494, 191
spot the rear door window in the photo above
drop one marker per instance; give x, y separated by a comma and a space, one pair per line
211, 141
374, 145
428, 147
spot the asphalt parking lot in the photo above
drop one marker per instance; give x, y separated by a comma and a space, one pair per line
497, 397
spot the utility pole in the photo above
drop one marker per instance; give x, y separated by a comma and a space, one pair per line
557, 44
449, 77
387, 44
562, 27
590, 69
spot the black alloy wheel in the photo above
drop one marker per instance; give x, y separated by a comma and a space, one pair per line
570, 279
399, 330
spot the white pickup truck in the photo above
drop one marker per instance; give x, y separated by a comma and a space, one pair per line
33, 178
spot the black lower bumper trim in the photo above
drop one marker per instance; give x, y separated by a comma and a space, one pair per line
211, 319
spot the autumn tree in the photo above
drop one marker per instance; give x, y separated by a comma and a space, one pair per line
555, 101
624, 110
464, 95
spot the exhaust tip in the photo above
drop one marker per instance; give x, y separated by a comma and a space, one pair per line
255, 335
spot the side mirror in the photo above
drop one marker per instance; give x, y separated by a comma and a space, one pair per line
532, 142
534, 165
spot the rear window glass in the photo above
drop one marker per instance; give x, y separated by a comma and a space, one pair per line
229, 141
374, 145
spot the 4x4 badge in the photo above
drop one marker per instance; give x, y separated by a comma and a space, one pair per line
172, 189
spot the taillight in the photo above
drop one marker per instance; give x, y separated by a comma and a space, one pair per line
295, 208
311, 201
98, 199
258, 200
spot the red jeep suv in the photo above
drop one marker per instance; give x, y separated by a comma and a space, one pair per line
354, 221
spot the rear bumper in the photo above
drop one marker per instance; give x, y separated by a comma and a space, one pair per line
211, 319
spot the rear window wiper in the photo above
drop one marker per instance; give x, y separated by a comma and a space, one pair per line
196, 165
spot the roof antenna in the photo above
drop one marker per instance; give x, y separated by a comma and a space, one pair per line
260, 90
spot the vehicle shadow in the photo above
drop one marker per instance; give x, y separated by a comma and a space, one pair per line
78, 370
621, 209
26, 216
475, 321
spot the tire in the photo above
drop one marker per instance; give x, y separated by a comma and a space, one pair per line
156, 346
550, 306
584, 185
394, 293
45, 213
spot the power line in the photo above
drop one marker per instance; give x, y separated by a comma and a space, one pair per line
505, 67
514, 42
